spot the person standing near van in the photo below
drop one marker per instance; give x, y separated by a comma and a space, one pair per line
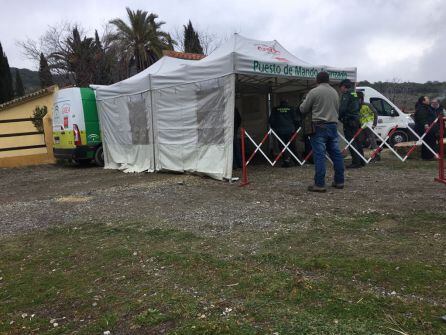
368, 117
283, 121
437, 108
423, 118
349, 116
323, 104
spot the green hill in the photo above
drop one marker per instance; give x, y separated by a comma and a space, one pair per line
30, 79
403, 95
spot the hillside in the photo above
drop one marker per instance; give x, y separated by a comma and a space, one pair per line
404, 95
31, 80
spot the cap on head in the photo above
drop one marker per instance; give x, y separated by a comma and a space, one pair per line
347, 83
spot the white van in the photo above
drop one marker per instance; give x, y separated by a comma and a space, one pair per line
76, 131
389, 116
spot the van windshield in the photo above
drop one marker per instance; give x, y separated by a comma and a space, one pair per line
382, 107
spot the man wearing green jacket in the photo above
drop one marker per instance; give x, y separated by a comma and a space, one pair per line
349, 116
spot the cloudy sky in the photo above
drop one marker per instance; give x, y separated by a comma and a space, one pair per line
385, 39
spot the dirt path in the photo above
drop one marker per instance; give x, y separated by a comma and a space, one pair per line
38, 197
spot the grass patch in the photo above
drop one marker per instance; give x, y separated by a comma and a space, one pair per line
151, 317
364, 275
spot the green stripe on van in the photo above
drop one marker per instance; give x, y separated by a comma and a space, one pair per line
91, 116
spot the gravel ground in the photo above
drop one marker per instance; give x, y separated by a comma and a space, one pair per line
43, 196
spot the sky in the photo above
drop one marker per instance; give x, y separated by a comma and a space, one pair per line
387, 40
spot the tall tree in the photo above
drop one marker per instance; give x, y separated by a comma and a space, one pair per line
141, 41
19, 89
45, 76
78, 58
191, 40
102, 71
6, 89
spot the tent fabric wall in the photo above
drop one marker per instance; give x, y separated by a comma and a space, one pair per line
194, 126
127, 132
126, 118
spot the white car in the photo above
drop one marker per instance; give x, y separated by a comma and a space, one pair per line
389, 116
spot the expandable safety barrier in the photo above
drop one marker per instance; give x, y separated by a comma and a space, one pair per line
349, 144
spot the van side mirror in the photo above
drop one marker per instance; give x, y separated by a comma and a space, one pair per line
393, 113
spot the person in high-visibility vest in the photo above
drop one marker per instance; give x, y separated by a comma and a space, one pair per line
368, 117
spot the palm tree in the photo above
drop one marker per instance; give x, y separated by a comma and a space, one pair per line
77, 58
141, 41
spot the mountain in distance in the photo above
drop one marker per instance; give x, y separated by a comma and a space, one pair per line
31, 81
404, 95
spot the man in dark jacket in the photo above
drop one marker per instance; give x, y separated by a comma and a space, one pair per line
349, 116
237, 150
283, 121
436, 110
424, 116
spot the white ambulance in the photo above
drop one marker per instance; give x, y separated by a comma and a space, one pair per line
389, 116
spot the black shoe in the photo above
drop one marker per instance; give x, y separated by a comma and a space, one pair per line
286, 164
337, 185
315, 188
354, 166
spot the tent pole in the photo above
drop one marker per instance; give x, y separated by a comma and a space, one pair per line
269, 98
244, 165
152, 122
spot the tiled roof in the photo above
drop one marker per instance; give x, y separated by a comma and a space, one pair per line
183, 55
28, 97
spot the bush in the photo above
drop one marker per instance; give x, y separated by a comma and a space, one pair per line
38, 116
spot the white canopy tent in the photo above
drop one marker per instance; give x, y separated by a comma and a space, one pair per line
178, 115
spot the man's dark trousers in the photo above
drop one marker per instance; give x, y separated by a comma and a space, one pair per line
285, 136
325, 140
350, 130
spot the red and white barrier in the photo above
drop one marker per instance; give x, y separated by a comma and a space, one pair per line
441, 166
349, 144
384, 142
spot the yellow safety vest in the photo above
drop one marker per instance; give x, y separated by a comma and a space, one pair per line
366, 115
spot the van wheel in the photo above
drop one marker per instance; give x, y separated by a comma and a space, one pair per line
398, 136
99, 156
82, 162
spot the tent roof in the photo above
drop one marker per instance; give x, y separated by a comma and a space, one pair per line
140, 81
249, 57
239, 55
267, 51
